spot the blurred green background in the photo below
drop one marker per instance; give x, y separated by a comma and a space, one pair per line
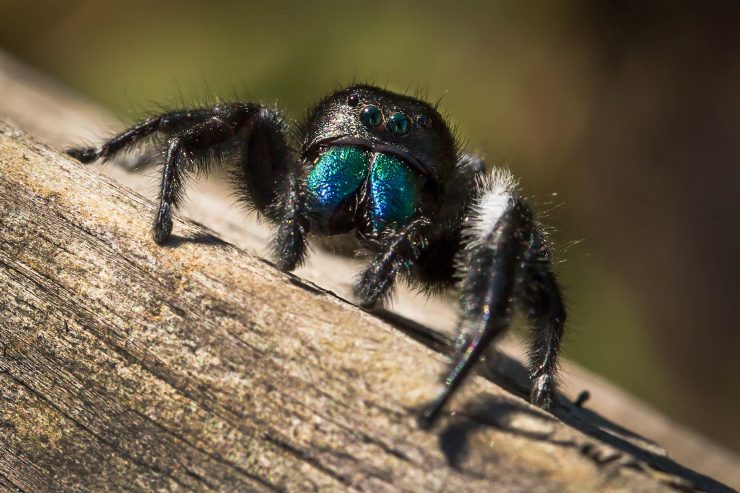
621, 118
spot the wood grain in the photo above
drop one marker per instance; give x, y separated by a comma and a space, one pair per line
128, 366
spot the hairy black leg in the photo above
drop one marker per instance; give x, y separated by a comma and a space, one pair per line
289, 246
167, 123
397, 252
266, 161
180, 160
194, 149
543, 303
493, 264
250, 138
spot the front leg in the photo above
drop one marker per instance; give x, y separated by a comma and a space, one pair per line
397, 252
505, 260
164, 124
185, 153
492, 262
247, 138
290, 244
542, 300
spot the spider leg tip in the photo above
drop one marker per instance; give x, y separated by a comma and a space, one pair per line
162, 230
543, 393
427, 418
82, 154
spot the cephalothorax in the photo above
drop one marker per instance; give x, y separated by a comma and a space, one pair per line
387, 167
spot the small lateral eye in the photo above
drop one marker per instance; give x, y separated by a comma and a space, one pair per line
371, 116
353, 100
424, 121
399, 124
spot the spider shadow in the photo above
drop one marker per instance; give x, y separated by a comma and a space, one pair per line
490, 411
503, 414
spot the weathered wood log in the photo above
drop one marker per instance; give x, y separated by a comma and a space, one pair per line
60, 118
128, 366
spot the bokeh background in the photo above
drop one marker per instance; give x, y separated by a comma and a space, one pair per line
621, 118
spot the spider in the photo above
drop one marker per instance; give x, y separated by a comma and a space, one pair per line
388, 167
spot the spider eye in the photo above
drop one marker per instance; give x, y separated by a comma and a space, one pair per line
424, 121
371, 116
399, 124
353, 100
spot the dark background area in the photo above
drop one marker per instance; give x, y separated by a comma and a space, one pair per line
622, 120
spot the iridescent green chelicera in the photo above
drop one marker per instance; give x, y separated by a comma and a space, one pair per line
336, 176
395, 189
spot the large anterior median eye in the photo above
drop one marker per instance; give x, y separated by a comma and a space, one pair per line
399, 124
371, 116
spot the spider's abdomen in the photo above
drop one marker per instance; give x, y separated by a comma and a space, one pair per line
350, 184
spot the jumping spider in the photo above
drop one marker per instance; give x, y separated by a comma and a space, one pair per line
388, 167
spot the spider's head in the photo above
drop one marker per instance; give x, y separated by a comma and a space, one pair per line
385, 122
